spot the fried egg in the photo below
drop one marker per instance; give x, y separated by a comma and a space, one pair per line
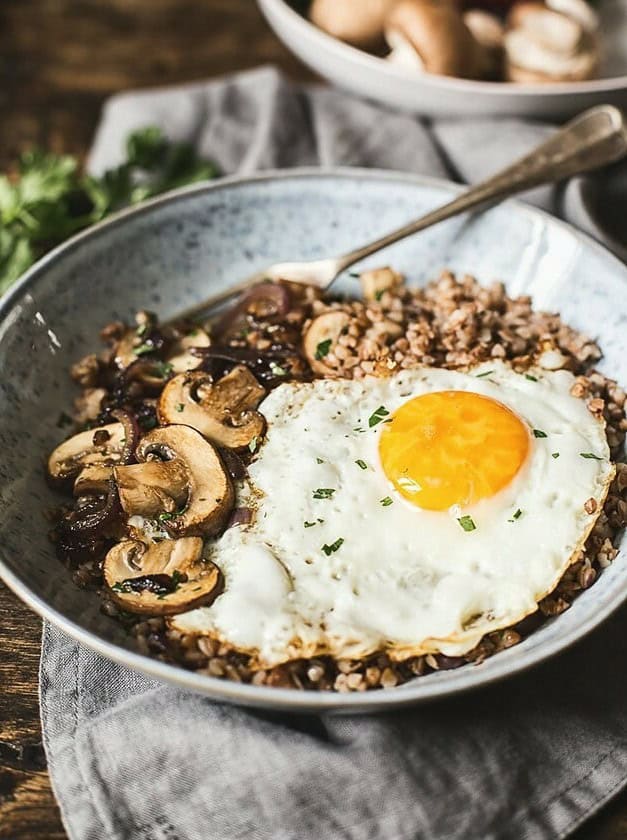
413, 513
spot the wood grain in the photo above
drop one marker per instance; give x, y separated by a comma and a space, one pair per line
59, 60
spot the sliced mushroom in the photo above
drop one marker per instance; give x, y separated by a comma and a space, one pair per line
161, 578
549, 44
358, 22
376, 281
438, 34
152, 488
181, 479
222, 411
180, 358
93, 480
321, 337
102, 446
529, 61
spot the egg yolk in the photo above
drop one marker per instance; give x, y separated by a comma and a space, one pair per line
452, 448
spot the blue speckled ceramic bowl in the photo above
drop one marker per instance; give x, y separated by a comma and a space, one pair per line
173, 251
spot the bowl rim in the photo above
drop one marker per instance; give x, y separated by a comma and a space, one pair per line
295, 700
343, 51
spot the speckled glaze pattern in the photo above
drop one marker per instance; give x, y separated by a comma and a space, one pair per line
173, 251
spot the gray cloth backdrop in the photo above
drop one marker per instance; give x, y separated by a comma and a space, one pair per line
132, 759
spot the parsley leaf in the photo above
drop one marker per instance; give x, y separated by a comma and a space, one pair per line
485, 373
361, 464
530, 377
323, 493
467, 523
331, 549
555, 454
386, 502
538, 433
323, 348
590, 455
516, 516
378, 416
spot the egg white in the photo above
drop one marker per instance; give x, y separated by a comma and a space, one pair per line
408, 580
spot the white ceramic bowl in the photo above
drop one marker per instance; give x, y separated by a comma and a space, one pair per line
175, 250
376, 79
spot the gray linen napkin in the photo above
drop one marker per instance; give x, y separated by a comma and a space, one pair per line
132, 759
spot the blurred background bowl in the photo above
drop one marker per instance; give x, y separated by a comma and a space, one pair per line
379, 80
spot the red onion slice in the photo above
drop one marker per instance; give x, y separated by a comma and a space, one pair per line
131, 435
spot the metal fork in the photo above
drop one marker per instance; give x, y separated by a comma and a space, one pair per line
593, 139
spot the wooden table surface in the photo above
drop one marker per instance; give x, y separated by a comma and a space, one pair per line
59, 59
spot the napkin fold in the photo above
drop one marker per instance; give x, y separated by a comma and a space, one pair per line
133, 759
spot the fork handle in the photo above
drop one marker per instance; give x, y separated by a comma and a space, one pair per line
595, 138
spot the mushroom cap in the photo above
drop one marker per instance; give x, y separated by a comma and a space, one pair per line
101, 446
436, 30
222, 411
358, 22
170, 576
181, 478
321, 337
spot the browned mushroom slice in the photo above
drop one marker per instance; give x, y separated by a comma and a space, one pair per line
222, 411
180, 479
321, 337
102, 446
180, 357
93, 480
161, 578
153, 488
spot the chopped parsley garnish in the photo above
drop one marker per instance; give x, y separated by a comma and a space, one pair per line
309, 524
386, 501
467, 523
590, 455
164, 517
323, 493
323, 348
530, 377
361, 464
331, 549
377, 416
485, 373
355, 274
378, 294
555, 454
252, 446
358, 429
539, 433
319, 461
277, 370
516, 516
164, 369
141, 330
142, 349
180, 407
